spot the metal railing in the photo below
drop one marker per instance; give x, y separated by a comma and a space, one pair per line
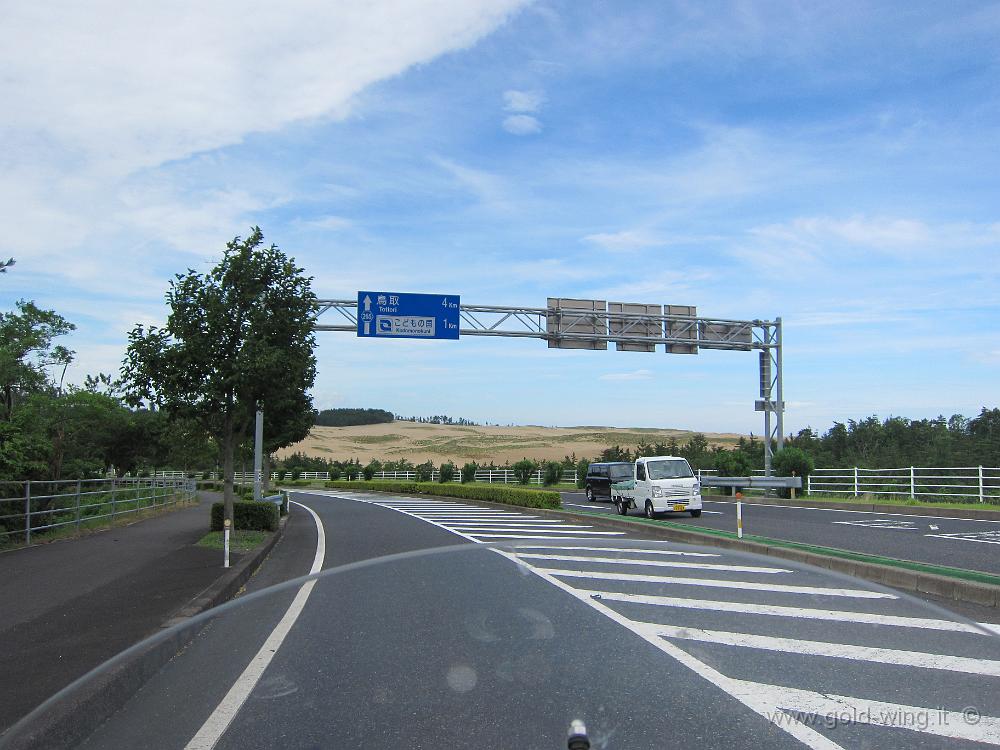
31, 507
491, 476
961, 484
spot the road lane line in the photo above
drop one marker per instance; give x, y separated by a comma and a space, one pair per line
503, 525
777, 588
570, 532
868, 512
896, 657
746, 695
804, 613
216, 724
653, 563
531, 536
621, 549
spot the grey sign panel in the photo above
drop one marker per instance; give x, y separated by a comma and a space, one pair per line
737, 333
765, 375
573, 317
631, 326
763, 405
682, 329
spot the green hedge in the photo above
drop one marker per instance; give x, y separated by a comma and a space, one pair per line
489, 493
247, 515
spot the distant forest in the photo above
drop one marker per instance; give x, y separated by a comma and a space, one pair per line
348, 417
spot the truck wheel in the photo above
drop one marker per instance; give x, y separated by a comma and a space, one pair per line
621, 507
590, 494
650, 513
695, 514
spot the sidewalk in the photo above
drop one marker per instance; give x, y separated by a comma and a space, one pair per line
67, 606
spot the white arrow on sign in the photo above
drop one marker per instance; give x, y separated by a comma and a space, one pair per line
368, 307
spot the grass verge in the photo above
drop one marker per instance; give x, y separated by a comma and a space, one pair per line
239, 540
941, 570
495, 493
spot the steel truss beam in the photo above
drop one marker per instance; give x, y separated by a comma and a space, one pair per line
562, 325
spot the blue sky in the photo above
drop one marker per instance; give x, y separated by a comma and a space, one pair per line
834, 164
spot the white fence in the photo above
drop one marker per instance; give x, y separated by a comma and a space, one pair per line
491, 476
961, 484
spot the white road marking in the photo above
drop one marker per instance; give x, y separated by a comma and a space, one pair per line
746, 695
568, 532
896, 657
844, 708
985, 537
539, 536
882, 523
777, 588
653, 563
216, 724
803, 613
622, 549
514, 526
867, 512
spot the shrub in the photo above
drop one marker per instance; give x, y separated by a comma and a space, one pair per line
469, 472
206, 474
296, 473
492, 493
582, 466
733, 464
247, 515
446, 473
281, 475
425, 471
523, 470
368, 472
553, 473
792, 461
334, 472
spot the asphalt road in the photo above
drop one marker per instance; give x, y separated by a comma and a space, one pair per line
652, 644
970, 544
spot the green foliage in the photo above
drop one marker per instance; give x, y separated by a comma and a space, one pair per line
247, 515
425, 471
368, 472
581, 473
734, 463
469, 472
495, 493
240, 335
524, 469
348, 417
792, 461
552, 474
446, 473
27, 353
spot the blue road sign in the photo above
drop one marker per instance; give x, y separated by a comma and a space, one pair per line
399, 315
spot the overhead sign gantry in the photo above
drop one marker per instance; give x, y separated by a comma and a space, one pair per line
573, 324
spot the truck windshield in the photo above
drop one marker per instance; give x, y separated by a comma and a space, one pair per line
621, 472
676, 469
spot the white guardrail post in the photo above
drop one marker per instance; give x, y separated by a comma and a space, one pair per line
27, 511
982, 497
912, 484
855, 481
809, 485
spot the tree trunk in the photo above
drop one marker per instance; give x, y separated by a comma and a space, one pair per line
227, 467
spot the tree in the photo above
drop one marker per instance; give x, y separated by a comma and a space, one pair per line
234, 338
792, 461
581, 472
26, 353
733, 463
5, 264
469, 472
446, 473
553, 473
523, 470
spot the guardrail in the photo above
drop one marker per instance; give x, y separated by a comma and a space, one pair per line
30, 507
491, 476
961, 483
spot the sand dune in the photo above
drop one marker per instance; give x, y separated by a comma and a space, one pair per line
438, 443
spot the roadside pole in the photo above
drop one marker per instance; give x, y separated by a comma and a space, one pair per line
739, 519
258, 454
225, 545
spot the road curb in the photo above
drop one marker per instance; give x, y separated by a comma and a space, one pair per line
74, 716
972, 592
908, 510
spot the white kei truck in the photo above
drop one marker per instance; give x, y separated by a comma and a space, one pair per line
659, 484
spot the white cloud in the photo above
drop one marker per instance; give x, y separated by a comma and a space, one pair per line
629, 239
522, 101
333, 223
522, 125
486, 186
633, 375
98, 97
